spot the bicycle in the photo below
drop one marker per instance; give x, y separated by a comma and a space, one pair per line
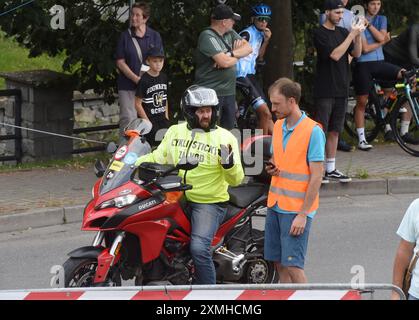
375, 115
379, 109
408, 97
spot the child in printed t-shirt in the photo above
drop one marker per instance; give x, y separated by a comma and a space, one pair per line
151, 96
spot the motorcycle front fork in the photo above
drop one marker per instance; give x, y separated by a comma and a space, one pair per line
109, 257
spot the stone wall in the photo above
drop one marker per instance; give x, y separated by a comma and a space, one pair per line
89, 110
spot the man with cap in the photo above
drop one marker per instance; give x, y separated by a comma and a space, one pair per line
219, 48
334, 45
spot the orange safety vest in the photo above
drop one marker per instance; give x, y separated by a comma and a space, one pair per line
288, 190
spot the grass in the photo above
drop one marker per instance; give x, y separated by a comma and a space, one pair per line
15, 58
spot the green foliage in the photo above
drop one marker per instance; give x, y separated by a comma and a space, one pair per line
92, 29
15, 58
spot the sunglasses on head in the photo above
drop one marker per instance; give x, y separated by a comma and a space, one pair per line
263, 19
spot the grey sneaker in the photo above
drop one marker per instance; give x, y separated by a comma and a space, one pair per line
338, 176
364, 146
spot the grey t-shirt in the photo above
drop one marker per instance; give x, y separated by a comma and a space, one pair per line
223, 81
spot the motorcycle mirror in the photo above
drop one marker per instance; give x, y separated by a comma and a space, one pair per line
111, 148
188, 163
99, 168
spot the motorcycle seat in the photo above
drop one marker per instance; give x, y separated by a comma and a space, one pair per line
243, 195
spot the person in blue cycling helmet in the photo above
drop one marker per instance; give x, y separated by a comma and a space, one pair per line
258, 35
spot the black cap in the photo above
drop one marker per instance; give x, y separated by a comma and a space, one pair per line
223, 11
156, 52
333, 5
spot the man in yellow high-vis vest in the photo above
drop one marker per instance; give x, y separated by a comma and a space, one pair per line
298, 150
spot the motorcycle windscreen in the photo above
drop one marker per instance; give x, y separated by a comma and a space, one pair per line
122, 165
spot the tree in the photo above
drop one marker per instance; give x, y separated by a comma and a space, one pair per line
92, 29
281, 52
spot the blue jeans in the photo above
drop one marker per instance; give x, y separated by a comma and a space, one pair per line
206, 218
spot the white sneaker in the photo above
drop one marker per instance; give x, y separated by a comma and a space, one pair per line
364, 146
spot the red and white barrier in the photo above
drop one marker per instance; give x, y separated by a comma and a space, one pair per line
62, 294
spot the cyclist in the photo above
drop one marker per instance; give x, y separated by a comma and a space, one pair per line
371, 65
219, 166
403, 51
258, 35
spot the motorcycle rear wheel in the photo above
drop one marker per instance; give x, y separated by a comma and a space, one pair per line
80, 272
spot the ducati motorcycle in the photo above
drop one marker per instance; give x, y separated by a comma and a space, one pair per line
143, 227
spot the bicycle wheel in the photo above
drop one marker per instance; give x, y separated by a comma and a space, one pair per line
410, 145
372, 126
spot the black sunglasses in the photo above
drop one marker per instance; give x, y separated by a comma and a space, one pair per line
263, 19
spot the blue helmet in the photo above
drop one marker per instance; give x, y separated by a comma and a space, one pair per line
261, 9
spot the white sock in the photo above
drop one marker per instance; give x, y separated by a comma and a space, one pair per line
388, 128
330, 165
404, 127
361, 134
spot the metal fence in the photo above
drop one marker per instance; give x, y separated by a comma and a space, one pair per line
17, 136
207, 292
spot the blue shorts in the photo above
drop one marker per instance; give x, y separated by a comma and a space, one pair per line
280, 246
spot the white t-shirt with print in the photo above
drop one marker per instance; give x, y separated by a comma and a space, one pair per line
409, 231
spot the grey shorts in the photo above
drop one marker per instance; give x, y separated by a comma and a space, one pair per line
330, 113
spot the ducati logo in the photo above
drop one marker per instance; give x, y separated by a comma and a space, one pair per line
144, 206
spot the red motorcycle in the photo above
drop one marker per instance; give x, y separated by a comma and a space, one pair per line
143, 226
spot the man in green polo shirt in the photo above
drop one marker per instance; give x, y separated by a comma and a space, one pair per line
219, 48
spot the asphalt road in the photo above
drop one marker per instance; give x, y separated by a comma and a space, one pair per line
350, 237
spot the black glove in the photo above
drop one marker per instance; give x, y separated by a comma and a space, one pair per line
227, 156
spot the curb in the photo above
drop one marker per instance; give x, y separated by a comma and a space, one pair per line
380, 186
40, 218
56, 216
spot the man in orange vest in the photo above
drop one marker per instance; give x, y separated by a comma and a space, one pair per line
296, 167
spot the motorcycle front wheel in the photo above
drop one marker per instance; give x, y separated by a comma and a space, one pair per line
80, 272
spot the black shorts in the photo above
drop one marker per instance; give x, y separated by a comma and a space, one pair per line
252, 91
366, 72
330, 113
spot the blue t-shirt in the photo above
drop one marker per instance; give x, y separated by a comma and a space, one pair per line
380, 23
126, 50
316, 151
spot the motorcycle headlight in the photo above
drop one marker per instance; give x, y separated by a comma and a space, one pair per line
123, 201
119, 202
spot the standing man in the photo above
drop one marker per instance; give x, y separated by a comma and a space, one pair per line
408, 247
334, 45
219, 48
345, 22
296, 168
258, 35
